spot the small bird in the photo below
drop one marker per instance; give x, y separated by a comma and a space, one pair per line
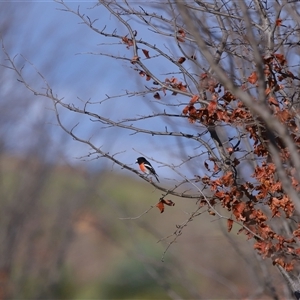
146, 167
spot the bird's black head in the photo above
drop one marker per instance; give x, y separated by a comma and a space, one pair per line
140, 160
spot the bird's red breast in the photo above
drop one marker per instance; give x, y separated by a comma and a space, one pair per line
143, 168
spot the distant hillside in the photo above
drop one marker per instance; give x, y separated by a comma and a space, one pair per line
63, 237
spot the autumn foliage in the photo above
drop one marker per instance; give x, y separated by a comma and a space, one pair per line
258, 202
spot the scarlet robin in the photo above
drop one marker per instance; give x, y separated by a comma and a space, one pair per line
146, 167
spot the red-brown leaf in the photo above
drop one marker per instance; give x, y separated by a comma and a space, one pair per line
252, 78
180, 39
194, 99
168, 202
236, 161
290, 74
280, 78
228, 97
215, 96
267, 71
191, 120
192, 110
216, 167
283, 115
279, 261
142, 73
296, 233
227, 178
127, 41
181, 32
206, 180
230, 150
146, 53
185, 110
238, 210
273, 101
289, 267
229, 225
181, 87
160, 206
156, 96
211, 107
267, 91
181, 60
281, 59
278, 22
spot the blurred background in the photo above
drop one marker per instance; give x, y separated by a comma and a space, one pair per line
74, 228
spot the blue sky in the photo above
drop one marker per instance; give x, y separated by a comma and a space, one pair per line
57, 44
59, 47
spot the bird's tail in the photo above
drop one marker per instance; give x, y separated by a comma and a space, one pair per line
156, 176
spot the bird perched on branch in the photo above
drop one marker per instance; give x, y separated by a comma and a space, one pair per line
146, 167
